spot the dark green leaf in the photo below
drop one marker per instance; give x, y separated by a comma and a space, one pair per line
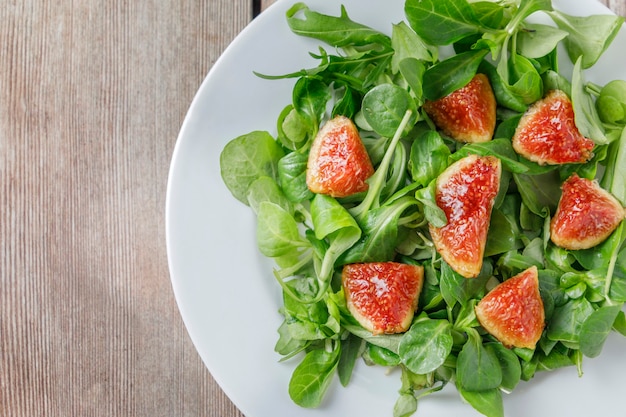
488, 403
382, 356
568, 319
478, 367
310, 96
379, 234
511, 368
452, 74
336, 31
585, 113
456, 288
525, 80
505, 96
429, 157
384, 107
413, 72
348, 104
552, 80
502, 235
292, 177
350, 352
539, 191
501, 148
390, 342
614, 178
596, 329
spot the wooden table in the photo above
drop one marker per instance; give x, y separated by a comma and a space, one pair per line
92, 96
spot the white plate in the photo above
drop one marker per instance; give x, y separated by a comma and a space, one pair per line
224, 287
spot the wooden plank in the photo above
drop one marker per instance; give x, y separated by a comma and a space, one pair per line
93, 95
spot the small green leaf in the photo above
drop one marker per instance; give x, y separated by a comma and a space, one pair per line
247, 158
384, 107
350, 352
433, 213
589, 36
478, 367
596, 329
488, 403
277, 231
537, 40
312, 377
407, 44
336, 31
292, 177
426, 345
585, 113
452, 74
441, 22
511, 368
266, 189
568, 319
405, 406
429, 157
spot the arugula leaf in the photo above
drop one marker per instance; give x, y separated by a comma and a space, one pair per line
407, 44
336, 31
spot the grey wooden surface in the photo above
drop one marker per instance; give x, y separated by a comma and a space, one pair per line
92, 96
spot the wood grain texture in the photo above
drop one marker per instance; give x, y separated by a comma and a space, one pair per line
617, 6
92, 96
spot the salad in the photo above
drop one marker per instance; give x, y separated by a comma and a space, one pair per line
383, 86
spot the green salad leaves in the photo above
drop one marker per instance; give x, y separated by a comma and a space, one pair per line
381, 82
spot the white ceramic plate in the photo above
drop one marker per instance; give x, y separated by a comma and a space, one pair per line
224, 287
